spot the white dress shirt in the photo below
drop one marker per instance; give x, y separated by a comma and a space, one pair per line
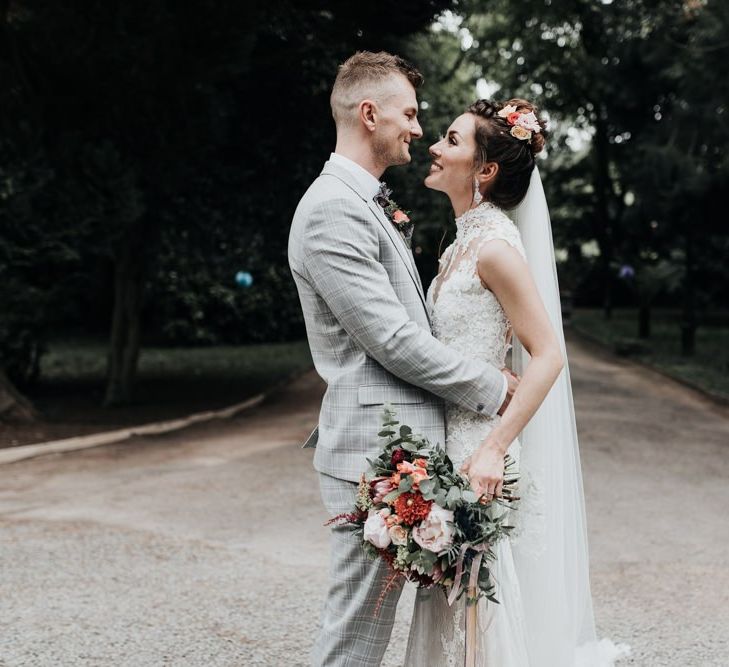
370, 185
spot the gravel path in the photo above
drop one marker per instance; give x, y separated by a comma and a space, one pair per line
206, 547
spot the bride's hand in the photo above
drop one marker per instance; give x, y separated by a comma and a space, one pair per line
485, 471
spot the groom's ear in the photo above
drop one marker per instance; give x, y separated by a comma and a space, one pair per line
368, 114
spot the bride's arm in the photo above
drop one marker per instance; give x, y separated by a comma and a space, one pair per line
503, 270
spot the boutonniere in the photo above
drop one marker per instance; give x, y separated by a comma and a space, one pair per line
399, 218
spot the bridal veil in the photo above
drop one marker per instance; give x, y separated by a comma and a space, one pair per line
551, 553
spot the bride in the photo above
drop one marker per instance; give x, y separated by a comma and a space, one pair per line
498, 278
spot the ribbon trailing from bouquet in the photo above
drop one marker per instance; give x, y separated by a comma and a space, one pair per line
480, 549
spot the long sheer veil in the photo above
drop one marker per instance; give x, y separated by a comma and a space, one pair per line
551, 553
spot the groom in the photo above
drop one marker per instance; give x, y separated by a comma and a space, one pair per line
369, 332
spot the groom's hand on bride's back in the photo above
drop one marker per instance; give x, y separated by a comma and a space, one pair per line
513, 380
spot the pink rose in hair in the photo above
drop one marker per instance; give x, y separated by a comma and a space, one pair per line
528, 121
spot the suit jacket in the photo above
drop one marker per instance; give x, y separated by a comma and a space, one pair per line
368, 328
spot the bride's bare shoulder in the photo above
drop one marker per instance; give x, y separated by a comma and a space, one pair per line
497, 251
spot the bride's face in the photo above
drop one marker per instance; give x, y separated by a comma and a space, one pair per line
452, 169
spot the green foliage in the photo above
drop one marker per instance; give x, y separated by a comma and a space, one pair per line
194, 130
168, 375
637, 96
190, 131
654, 278
708, 369
449, 87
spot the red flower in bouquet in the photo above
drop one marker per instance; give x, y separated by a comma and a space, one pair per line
398, 456
412, 507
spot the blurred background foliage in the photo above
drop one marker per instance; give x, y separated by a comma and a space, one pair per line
151, 150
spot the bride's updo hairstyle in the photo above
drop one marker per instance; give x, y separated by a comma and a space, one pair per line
496, 143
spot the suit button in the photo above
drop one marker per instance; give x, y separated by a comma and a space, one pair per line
480, 407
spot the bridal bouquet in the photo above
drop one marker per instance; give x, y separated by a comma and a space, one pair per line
421, 517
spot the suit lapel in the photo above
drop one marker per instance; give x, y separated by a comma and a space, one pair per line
350, 180
402, 249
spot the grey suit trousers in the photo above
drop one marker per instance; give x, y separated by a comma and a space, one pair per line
351, 635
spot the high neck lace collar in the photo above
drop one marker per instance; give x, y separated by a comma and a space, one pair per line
468, 224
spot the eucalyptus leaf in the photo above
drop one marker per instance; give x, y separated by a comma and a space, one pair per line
454, 495
428, 557
391, 496
426, 486
469, 496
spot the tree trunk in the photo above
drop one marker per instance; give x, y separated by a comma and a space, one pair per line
13, 405
126, 323
602, 224
688, 316
644, 321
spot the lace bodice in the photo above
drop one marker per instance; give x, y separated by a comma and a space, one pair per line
469, 318
465, 315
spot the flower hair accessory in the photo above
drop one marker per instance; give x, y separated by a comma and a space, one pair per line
523, 125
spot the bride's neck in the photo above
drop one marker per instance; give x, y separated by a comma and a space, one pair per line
461, 202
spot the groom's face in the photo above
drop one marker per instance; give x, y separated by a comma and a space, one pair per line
397, 122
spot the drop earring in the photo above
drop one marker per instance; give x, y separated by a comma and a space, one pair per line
477, 197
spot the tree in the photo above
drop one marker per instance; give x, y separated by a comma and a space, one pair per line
686, 173
589, 65
133, 110
13, 405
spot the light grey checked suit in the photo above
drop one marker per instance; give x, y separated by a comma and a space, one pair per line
369, 333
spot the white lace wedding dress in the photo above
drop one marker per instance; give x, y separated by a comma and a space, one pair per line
469, 318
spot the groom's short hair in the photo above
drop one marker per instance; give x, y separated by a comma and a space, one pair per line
363, 75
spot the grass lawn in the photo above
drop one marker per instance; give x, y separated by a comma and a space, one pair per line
171, 382
708, 368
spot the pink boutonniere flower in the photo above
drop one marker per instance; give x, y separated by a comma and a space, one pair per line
395, 214
398, 217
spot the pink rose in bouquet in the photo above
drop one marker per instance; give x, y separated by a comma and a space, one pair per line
375, 528
398, 535
435, 532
